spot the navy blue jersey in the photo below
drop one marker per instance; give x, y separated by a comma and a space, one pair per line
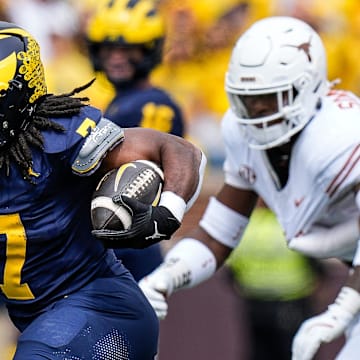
46, 247
67, 294
150, 108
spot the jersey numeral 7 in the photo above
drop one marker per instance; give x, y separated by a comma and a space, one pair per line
14, 231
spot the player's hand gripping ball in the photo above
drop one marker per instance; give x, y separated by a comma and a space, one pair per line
141, 180
124, 208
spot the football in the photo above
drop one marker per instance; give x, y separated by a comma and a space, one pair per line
140, 179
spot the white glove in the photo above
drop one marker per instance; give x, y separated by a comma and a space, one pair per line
157, 287
326, 327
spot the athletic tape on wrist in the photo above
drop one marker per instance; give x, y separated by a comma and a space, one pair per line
175, 203
223, 224
189, 263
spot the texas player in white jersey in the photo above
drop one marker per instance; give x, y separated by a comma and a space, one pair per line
295, 142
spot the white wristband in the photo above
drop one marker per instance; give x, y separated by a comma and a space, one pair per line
188, 263
174, 203
223, 224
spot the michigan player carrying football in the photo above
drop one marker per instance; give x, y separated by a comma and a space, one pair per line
64, 291
293, 140
125, 41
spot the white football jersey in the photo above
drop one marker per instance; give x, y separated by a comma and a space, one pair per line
324, 167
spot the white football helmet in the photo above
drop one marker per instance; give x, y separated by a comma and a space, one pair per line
285, 57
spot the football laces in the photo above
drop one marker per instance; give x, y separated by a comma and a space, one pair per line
140, 183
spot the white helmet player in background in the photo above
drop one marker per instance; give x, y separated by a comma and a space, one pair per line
294, 142
289, 63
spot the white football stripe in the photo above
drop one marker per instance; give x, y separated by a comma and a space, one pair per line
121, 213
154, 166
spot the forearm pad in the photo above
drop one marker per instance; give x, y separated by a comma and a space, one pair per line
188, 264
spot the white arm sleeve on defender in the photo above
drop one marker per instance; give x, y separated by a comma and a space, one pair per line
323, 242
187, 264
223, 224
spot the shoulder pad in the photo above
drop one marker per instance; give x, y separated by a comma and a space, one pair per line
77, 128
101, 139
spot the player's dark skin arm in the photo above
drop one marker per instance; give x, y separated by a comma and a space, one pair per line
239, 200
179, 159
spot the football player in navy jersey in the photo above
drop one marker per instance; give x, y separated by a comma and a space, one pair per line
67, 294
125, 41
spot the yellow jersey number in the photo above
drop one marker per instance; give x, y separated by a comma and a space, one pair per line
12, 227
158, 117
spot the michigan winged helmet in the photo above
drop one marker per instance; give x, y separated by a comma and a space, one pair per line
128, 23
22, 80
25, 107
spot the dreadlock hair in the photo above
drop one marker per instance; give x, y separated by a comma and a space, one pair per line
48, 106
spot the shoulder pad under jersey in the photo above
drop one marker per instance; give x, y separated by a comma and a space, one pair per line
76, 129
101, 139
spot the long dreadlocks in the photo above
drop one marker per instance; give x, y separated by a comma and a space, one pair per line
48, 106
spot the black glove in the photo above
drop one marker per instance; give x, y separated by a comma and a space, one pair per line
150, 224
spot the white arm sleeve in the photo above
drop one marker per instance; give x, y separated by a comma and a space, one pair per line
187, 264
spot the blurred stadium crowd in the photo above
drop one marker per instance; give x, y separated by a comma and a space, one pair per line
200, 36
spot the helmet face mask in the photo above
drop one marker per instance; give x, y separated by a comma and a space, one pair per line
22, 80
119, 62
127, 24
284, 57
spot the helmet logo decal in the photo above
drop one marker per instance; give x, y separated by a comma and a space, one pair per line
247, 174
305, 47
32, 69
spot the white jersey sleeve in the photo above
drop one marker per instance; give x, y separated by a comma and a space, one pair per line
234, 145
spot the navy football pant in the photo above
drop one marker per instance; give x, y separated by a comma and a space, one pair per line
140, 262
110, 319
